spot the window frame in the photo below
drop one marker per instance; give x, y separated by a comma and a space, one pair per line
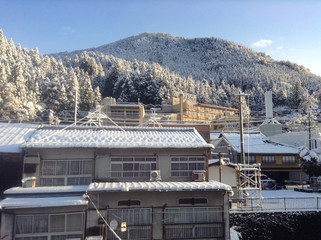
288, 159
137, 166
183, 167
268, 159
252, 158
49, 233
178, 218
65, 177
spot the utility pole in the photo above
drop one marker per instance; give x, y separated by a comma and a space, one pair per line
241, 127
310, 144
76, 103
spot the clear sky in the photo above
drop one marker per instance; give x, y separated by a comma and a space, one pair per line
284, 29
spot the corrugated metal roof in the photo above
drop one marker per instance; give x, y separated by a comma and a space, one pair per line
46, 190
14, 203
158, 186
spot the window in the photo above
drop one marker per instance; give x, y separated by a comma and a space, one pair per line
117, 114
268, 159
49, 226
193, 222
288, 159
128, 202
132, 167
184, 166
132, 114
138, 221
192, 201
66, 172
250, 159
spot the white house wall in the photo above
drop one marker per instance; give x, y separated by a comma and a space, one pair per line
227, 175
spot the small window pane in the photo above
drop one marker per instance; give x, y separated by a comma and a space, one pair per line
74, 222
48, 168
183, 166
73, 181
84, 180
61, 168
58, 181
116, 167
46, 182
74, 167
57, 223
40, 223
87, 169
175, 166
128, 166
23, 224
153, 166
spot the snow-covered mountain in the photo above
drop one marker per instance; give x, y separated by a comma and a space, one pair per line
150, 67
211, 58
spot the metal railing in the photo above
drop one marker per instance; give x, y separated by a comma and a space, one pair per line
278, 204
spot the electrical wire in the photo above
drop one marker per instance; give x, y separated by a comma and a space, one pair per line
100, 215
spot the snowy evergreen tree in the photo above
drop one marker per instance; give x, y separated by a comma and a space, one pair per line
310, 162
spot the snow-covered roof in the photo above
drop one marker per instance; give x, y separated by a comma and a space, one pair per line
14, 203
215, 135
259, 144
115, 137
157, 186
47, 190
12, 136
219, 162
300, 138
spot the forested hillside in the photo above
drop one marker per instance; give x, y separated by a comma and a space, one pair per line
31, 84
224, 65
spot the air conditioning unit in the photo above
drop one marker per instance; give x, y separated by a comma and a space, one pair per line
198, 176
155, 175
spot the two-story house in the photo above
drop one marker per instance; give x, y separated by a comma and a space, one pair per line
154, 180
278, 161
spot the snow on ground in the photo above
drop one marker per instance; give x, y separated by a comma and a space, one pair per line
289, 193
280, 201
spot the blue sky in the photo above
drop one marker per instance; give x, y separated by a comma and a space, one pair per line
286, 30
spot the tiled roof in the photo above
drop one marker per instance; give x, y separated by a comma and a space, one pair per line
115, 137
12, 136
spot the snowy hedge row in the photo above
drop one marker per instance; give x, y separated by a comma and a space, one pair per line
280, 225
